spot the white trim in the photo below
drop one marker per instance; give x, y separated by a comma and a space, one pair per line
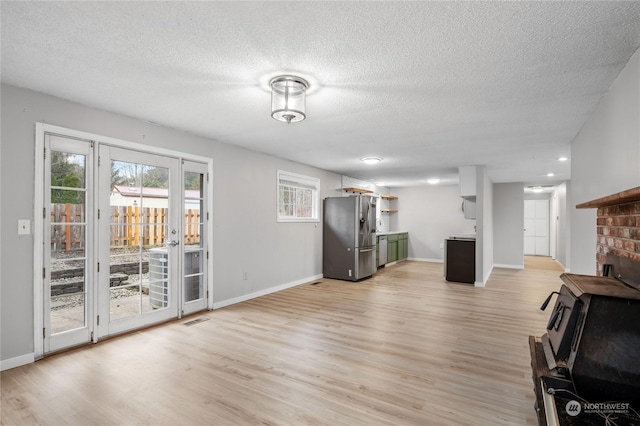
307, 182
562, 266
210, 213
264, 292
38, 244
422, 259
508, 266
120, 143
17, 361
486, 278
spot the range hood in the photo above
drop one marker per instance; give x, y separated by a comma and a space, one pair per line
469, 207
467, 175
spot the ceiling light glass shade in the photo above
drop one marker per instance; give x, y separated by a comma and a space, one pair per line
288, 98
371, 160
563, 158
433, 181
537, 189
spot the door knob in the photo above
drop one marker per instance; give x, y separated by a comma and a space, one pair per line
173, 243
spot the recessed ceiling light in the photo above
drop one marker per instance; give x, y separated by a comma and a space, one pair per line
433, 181
550, 174
371, 160
563, 158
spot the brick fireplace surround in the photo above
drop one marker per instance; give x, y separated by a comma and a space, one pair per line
618, 225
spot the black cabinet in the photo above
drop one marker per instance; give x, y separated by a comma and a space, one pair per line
460, 261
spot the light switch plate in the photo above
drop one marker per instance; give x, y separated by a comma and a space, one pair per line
24, 227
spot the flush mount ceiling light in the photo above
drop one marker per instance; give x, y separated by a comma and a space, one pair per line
371, 160
563, 158
537, 189
288, 98
433, 181
550, 174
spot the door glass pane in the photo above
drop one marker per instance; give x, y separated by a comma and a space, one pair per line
193, 233
67, 251
139, 211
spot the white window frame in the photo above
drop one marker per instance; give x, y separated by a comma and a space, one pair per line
303, 182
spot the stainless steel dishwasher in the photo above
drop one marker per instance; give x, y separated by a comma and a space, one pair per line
382, 250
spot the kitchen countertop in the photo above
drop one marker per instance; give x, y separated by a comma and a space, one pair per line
391, 232
466, 237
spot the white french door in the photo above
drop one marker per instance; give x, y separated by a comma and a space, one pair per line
124, 242
138, 239
68, 239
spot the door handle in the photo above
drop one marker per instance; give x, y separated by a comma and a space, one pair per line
173, 243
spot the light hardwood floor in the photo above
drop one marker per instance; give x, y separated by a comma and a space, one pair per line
402, 348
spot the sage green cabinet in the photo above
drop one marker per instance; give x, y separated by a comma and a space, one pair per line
392, 248
397, 247
403, 246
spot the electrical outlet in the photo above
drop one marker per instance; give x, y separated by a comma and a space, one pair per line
441, 246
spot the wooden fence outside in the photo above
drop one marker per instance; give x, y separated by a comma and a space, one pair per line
130, 226
67, 230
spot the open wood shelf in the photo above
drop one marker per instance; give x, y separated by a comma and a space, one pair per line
389, 197
358, 190
388, 211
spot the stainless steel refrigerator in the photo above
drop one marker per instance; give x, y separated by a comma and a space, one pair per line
349, 237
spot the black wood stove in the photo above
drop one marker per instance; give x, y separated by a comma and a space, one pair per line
586, 367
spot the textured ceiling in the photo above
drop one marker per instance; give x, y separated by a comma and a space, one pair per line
428, 86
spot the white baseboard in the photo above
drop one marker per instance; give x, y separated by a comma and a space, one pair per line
508, 266
422, 259
486, 278
18, 361
234, 300
563, 267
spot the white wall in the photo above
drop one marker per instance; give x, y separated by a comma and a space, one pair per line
430, 214
508, 235
560, 196
605, 159
484, 222
246, 234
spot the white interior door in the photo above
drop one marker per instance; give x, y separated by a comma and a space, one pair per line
68, 237
139, 239
536, 227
